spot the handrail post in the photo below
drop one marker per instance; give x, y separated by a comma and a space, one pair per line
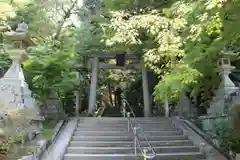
134, 128
128, 116
135, 139
144, 154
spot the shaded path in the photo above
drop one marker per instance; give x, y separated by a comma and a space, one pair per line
57, 149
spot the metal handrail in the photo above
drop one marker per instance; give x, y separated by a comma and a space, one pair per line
136, 139
124, 108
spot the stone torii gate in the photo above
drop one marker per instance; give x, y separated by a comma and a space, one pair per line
94, 62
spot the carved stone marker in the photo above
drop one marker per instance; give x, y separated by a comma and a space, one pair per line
54, 108
185, 107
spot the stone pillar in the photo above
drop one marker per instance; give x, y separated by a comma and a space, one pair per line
93, 87
80, 99
166, 107
147, 109
77, 94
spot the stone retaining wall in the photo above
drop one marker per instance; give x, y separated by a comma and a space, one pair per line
44, 144
204, 146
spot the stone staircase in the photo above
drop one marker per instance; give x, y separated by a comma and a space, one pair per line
108, 139
111, 112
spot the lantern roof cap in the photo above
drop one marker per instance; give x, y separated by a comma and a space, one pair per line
20, 34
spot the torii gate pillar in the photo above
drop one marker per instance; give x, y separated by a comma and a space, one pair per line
93, 87
146, 102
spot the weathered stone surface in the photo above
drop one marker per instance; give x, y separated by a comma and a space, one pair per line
235, 121
237, 156
54, 107
14, 91
30, 157
57, 129
57, 149
15, 95
210, 152
185, 107
226, 86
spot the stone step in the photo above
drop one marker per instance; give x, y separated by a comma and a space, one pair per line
111, 115
157, 129
98, 125
107, 138
152, 121
162, 156
145, 128
119, 133
155, 123
129, 150
127, 138
117, 128
92, 124
102, 133
129, 143
89, 129
102, 119
109, 121
154, 118
122, 121
114, 120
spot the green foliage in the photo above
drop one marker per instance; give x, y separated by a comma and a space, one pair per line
8, 7
53, 57
231, 14
173, 84
49, 126
51, 69
227, 142
180, 41
4, 147
4, 61
4, 57
14, 127
89, 36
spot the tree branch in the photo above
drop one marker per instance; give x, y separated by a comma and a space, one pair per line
67, 14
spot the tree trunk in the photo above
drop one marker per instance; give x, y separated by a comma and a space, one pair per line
65, 17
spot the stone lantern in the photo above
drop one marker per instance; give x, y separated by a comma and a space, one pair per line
226, 86
14, 91
226, 68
